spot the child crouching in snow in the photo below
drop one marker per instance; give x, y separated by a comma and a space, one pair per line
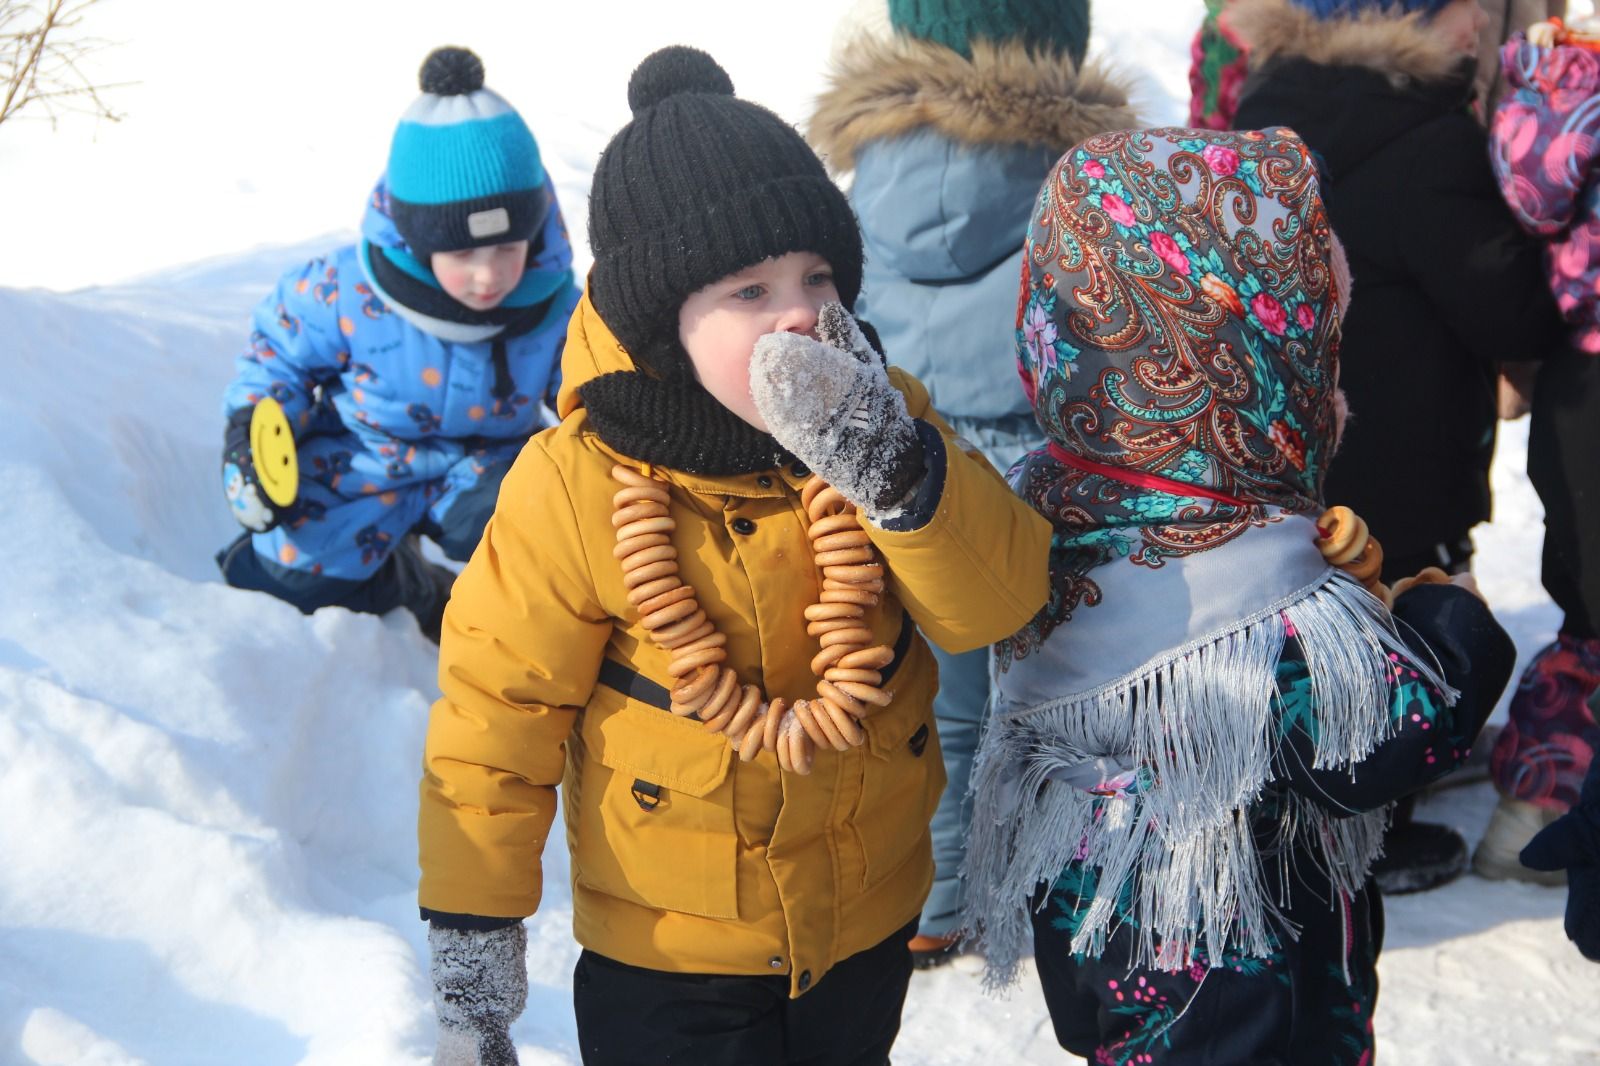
411, 365
712, 651
1183, 784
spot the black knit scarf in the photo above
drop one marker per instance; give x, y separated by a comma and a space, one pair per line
674, 422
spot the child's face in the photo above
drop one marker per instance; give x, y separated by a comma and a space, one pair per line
1459, 22
481, 277
720, 324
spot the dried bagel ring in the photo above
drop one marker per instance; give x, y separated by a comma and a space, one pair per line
634, 493
771, 725
818, 612
844, 557
1343, 534
849, 729
687, 664
648, 556
828, 657
635, 512
652, 589
860, 597
801, 753
809, 491
666, 599
808, 721
711, 639
859, 574
832, 542
825, 501
629, 476
834, 523
649, 572
672, 612
1366, 566
836, 674
700, 683
745, 713
868, 658
722, 696
659, 524
627, 547
866, 693
860, 637
840, 697
679, 645
828, 625
837, 739
681, 628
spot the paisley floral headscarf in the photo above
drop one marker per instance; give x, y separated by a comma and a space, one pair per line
1178, 335
1177, 328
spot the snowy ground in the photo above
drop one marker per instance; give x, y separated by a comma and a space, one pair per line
206, 800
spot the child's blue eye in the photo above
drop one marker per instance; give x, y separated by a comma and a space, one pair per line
749, 292
821, 277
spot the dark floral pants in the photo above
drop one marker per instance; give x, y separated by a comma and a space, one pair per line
1309, 1003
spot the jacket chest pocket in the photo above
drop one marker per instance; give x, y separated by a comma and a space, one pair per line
902, 772
654, 812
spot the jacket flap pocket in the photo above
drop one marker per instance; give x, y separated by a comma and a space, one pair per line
661, 748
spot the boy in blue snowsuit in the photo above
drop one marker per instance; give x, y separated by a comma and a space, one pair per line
412, 365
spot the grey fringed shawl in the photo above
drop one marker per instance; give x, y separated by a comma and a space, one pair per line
1172, 679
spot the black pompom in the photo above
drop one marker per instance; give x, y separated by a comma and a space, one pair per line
451, 72
673, 70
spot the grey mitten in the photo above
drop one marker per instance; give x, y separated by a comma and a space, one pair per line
480, 985
830, 403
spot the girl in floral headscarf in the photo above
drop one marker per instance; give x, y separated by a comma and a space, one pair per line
1195, 741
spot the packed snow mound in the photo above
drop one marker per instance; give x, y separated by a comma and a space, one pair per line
207, 800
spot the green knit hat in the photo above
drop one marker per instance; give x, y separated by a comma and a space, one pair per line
1062, 25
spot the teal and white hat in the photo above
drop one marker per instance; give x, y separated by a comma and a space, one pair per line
464, 170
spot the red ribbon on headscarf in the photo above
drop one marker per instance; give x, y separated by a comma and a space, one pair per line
1139, 478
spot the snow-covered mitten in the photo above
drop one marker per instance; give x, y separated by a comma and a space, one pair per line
830, 403
480, 985
246, 500
1572, 843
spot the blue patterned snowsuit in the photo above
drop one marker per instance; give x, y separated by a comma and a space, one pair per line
398, 429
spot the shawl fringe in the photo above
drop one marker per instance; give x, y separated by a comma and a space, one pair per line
1191, 741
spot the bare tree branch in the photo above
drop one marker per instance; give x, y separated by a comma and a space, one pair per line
41, 47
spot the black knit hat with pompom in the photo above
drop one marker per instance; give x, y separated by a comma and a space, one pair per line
697, 186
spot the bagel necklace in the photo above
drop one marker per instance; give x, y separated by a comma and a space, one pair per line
848, 666
1345, 542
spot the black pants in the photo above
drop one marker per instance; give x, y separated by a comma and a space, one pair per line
1564, 466
628, 1016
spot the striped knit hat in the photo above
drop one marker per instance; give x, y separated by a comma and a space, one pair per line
464, 170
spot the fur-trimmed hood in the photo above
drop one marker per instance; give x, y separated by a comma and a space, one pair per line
1005, 94
1397, 46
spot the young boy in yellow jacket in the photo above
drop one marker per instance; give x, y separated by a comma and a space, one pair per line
715, 652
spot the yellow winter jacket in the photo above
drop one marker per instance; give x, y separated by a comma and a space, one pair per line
685, 859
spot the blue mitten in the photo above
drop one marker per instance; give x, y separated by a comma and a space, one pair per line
246, 501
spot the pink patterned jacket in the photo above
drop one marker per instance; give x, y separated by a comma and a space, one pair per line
1545, 146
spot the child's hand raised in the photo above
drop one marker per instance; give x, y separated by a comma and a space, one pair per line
830, 403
